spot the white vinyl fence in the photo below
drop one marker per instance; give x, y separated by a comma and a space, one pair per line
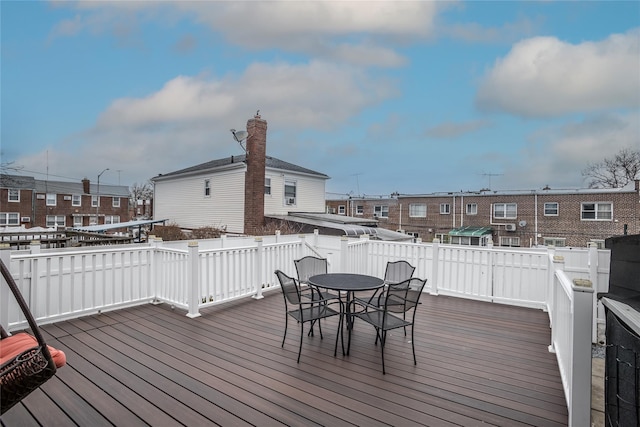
61, 284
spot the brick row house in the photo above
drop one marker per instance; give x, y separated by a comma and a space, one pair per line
29, 202
509, 218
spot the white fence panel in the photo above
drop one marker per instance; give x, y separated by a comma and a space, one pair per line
518, 276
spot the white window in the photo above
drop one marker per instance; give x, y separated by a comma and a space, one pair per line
14, 195
417, 210
51, 199
9, 218
505, 210
554, 241
359, 210
77, 221
444, 238
381, 211
341, 210
510, 241
445, 209
551, 209
596, 211
472, 209
599, 243
93, 220
289, 192
207, 188
94, 201
76, 200
56, 220
111, 219
115, 202
267, 186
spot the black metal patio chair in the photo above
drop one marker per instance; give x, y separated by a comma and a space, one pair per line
306, 310
395, 272
309, 266
402, 298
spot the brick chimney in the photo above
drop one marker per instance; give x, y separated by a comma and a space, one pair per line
254, 178
86, 188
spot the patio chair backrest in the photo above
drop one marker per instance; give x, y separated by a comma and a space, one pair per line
290, 288
310, 266
398, 271
403, 296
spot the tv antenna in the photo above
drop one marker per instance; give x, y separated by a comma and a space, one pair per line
489, 175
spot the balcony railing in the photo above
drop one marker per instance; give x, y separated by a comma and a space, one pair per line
65, 284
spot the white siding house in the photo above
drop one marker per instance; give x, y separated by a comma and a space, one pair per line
213, 193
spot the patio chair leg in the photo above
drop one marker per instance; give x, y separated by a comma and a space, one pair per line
301, 336
286, 323
413, 347
341, 335
382, 340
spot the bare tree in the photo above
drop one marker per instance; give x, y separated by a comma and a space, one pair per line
139, 198
614, 172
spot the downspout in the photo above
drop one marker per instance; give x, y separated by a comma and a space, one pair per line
454, 212
461, 210
535, 222
400, 225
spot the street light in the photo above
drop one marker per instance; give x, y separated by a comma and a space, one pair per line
98, 201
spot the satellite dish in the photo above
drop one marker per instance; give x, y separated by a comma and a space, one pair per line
240, 135
522, 223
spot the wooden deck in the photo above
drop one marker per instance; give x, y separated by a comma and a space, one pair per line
478, 364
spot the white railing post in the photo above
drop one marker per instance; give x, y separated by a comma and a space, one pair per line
36, 248
5, 255
316, 234
257, 278
580, 405
593, 277
193, 280
277, 234
435, 262
154, 243
303, 240
550, 292
344, 256
556, 264
490, 266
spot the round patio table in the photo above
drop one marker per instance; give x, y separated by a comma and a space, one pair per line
348, 283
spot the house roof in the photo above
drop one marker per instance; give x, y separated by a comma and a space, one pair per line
354, 228
471, 231
271, 162
60, 187
17, 182
66, 187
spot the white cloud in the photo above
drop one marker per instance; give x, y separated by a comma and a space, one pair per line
187, 121
544, 77
352, 32
556, 156
454, 130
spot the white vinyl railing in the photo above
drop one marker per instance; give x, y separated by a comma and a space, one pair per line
64, 284
571, 311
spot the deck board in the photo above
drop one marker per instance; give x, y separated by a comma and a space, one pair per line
478, 364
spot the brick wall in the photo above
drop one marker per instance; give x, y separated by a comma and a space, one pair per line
567, 224
254, 179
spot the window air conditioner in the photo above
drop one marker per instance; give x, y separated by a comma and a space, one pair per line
291, 200
510, 227
25, 219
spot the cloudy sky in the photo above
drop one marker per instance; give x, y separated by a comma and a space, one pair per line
406, 96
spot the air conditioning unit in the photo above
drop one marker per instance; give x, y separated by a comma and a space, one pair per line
510, 227
25, 219
291, 200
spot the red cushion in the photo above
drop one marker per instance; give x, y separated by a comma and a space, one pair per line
11, 346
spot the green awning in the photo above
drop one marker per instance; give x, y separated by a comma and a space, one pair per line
471, 231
